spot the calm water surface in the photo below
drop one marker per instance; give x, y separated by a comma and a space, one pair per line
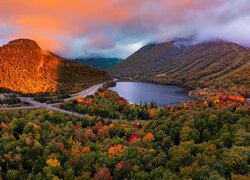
137, 92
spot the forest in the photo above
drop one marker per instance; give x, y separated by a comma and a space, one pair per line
207, 138
109, 104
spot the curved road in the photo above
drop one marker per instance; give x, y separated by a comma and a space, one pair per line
87, 92
35, 104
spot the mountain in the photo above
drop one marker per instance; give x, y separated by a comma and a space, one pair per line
148, 59
219, 63
26, 68
101, 63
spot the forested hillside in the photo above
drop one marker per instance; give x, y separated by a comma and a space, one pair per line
26, 68
207, 64
101, 63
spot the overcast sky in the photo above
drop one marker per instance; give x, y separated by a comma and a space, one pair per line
118, 28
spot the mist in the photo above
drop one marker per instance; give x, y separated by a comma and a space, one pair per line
117, 29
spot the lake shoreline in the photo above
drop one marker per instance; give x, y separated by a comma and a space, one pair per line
141, 92
189, 89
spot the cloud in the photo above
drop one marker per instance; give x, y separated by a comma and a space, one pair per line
100, 42
117, 28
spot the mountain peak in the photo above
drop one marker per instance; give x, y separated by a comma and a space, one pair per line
24, 42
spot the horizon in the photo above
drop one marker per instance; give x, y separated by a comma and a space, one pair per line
118, 29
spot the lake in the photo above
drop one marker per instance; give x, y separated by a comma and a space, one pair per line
136, 92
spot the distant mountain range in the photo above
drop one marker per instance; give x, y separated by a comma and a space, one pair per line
26, 68
101, 63
219, 63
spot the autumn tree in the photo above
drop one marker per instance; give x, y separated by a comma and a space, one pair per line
103, 174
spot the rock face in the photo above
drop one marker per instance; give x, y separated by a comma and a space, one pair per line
218, 63
26, 68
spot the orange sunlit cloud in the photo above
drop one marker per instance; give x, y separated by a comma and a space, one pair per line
74, 26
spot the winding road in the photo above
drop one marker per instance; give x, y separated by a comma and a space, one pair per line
35, 104
87, 92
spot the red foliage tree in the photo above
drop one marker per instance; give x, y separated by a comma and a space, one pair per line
103, 174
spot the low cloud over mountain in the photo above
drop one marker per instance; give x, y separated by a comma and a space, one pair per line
118, 28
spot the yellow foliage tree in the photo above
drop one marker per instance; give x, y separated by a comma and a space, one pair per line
53, 162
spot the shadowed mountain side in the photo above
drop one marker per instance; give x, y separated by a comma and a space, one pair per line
102, 63
73, 77
26, 68
218, 63
148, 59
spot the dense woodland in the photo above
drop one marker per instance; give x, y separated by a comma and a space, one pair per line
207, 138
109, 104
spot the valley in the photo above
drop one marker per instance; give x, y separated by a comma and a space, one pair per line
132, 89
90, 131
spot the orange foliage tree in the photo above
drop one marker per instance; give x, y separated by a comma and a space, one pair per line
152, 112
86, 149
148, 138
116, 151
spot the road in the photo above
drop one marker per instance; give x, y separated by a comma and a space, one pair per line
90, 91
19, 108
35, 104
47, 106
87, 92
